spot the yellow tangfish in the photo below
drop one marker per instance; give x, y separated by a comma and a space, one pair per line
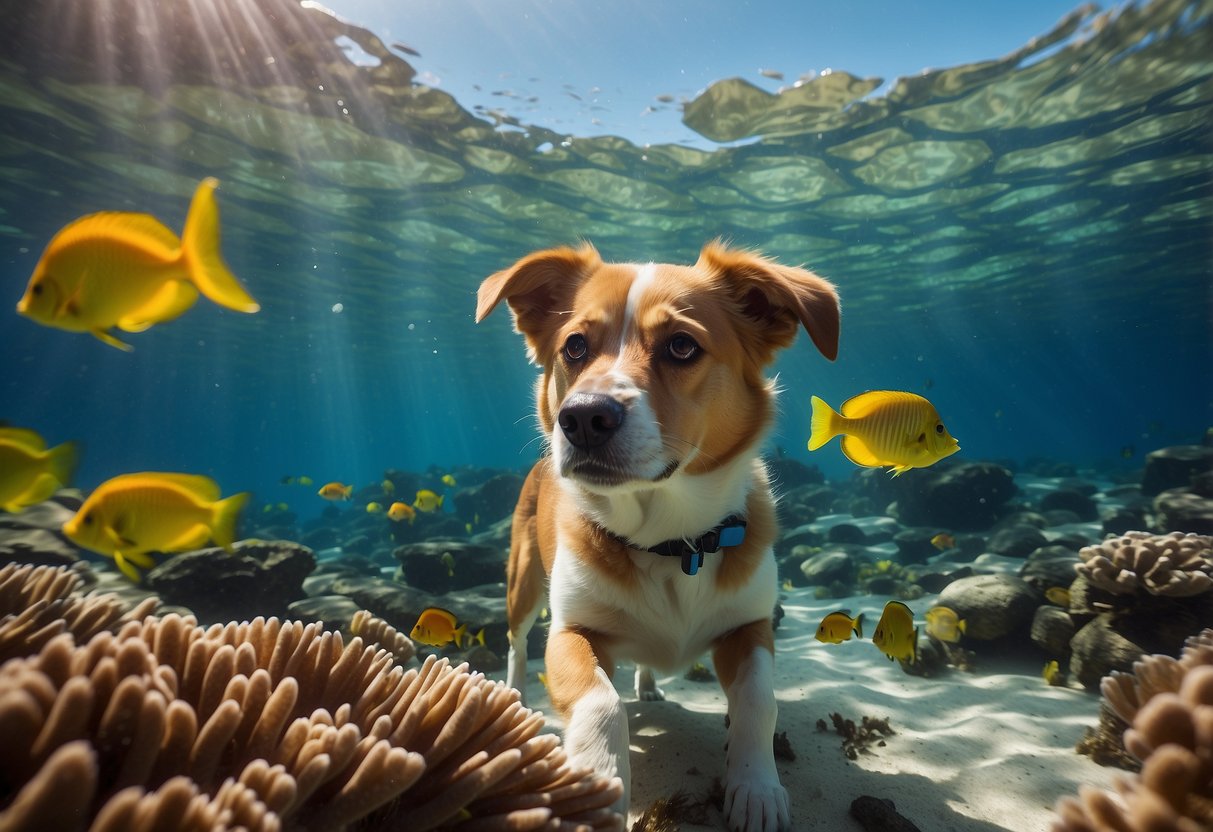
437, 627
374, 508
290, 480
836, 627
402, 511
896, 635
427, 501
133, 514
1052, 673
29, 473
1058, 595
448, 480
126, 270
884, 427
944, 624
467, 527
448, 560
389, 488
335, 491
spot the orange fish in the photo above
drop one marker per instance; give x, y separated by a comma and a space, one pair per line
335, 491
402, 511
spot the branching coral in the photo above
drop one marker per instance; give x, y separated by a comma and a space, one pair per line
268, 725
1171, 708
1175, 565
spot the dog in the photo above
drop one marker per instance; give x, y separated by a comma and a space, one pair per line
650, 518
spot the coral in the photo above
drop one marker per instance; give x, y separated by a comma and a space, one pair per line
374, 630
1175, 565
857, 738
266, 725
1172, 735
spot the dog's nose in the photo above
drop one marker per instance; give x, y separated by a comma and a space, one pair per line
589, 419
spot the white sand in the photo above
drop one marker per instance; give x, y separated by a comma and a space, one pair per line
991, 750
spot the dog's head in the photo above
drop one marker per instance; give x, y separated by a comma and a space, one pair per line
652, 369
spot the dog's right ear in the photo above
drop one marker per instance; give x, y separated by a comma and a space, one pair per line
539, 289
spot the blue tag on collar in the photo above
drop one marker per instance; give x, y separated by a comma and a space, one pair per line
732, 535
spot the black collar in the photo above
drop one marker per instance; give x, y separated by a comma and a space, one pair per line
728, 532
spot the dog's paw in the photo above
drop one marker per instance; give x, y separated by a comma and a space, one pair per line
653, 694
646, 686
756, 805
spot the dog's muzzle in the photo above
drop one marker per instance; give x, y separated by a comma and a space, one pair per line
589, 420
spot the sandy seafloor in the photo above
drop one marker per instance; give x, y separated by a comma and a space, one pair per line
972, 752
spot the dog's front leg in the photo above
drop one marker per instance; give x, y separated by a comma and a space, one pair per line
754, 799
596, 725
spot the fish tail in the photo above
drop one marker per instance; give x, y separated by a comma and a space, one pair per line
824, 424
63, 459
479, 639
459, 633
203, 259
223, 524
347, 492
859, 626
961, 626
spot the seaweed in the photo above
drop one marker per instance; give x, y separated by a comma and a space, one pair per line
856, 739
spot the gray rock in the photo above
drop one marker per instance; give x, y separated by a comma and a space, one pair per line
1070, 500
39, 547
1050, 566
490, 500
993, 605
1052, 629
964, 496
470, 564
1174, 467
1098, 648
826, 567
914, 545
333, 611
1181, 510
1120, 519
1017, 541
846, 533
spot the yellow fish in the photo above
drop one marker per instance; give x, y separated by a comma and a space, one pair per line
389, 488
126, 270
29, 473
448, 480
896, 635
305, 480
437, 627
787, 584
944, 624
401, 511
335, 491
1058, 595
133, 514
374, 508
467, 527
836, 627
283, 507
1051, 672
427, 501
448, 560
884, 427
943, 541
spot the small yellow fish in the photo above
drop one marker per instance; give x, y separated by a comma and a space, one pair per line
389, 488
283, 507
448, 480
448, 560
467, 527
374, 508
943, 541
427, 501
944, 624
884, 427
476, 519
437, 627
1051, 672
402, 511
29, 473
267, 508
896, 635
335, 491
476, 639
1058, 595
836, 627
133, 514
304, 480
787, 584
127, 270
543, 679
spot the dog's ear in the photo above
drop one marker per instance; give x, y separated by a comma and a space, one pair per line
779, 299
538, 288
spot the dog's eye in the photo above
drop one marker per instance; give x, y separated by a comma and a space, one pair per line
682, 347
575, 347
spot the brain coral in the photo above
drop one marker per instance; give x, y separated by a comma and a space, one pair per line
1174, 565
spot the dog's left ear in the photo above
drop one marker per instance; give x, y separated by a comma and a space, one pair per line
779, 299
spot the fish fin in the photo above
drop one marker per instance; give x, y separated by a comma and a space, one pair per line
898, 470
127, 569
202, 487
480, 637
865, 404
960, 625
41, 488
441, 497
170, 301
63, 459
347, 492
195, 536
24, 437
227, 513
855, 450
203, 259
105, 338
859, 625
459, 633
142, 559
126, 228
823, 424
116, 537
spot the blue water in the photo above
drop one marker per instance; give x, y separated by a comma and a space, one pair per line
1026, 243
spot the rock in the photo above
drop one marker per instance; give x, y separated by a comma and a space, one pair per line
38, 547
806, 535
425, 565
1050, 566
1174, 467
259, 577
965, 496
936, 581
1060, 517
490, 500
914, 545
1064, 499
324, 537
1181, 510
824, 568
1098, 649
1016, 541
876, 814
358, 545
48, 515
483, 660
846, 533
333, 611
1052, 629
1119, 519
395, 603
881, 585
993, 605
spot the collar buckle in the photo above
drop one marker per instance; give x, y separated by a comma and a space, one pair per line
729, 532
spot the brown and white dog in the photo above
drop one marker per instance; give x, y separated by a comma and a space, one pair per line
654, 403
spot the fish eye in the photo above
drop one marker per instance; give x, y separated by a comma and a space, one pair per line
87, 519
682, 347
36, 288
939, 428
575, 347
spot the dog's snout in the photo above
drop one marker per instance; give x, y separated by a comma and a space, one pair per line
590, 419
